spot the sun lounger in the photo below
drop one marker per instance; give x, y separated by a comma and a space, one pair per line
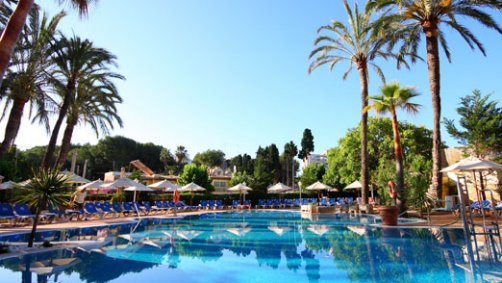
184, 206
6, 212
219, 204
127, 208
105, 207
22, 212
117, 207
90, 210
140, 208
203, 204
148, 207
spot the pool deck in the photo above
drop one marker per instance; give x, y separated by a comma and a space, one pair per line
437, 220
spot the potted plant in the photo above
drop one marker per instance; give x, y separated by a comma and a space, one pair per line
390, 212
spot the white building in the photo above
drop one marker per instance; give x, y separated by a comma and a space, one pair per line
316, 158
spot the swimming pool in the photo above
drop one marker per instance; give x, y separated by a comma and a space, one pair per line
251, 246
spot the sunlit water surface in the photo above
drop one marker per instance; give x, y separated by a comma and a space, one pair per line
245, 247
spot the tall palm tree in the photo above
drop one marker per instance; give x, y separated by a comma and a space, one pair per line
181, 154
359, 48
14, 27
26, 80
414, 18
393, 97
47, 188
76, 61
95, 105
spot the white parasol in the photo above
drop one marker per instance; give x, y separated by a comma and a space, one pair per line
241, 188
165, 185
192, 187
279, 188
138, 188
7, 185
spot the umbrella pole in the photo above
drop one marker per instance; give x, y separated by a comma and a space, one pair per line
481, 208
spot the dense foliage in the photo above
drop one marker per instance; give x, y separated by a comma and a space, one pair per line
196, 174
210, 158
416, 143
480, 125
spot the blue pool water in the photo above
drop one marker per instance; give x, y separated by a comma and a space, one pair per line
245, 247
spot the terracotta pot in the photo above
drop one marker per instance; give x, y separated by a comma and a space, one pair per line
389, 215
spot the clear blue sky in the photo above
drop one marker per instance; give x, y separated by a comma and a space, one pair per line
232, 75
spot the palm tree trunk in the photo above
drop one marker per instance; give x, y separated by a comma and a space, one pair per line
13, 124
434, 84
51, 147
363, 76
398, 152
11, 33
65, 144
34, 228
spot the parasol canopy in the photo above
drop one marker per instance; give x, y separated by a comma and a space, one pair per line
192, 187
239, 188
7, 185
122, 182
165, 185
94, 185
472, 164
279, 188
353, 186
138, 188
318, 186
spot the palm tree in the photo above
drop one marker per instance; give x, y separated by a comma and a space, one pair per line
415, 18
355, 45
181, 154
26, 80
76, 61
14, 27
46, 189
95, 105
392, 98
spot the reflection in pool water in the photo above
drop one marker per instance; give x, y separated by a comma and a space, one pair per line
247, 247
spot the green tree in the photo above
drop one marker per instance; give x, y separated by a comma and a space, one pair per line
312, 173
76, 61
241, 177
343, 160
14, 28
481, 121
393, 97
167, 159
356, 45
307, 144
26, 80
197, 174
242, 163
95, 105
288, 162
414, 18
46, 189
262, 175
210, 158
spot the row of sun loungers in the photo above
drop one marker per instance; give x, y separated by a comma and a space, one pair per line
290, 203
19, 213
485, 205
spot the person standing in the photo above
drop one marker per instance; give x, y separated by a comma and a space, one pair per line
78, 198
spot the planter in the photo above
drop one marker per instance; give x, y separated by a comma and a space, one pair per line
389, 215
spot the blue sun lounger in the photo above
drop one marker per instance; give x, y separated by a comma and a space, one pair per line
23, 212
6, 212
